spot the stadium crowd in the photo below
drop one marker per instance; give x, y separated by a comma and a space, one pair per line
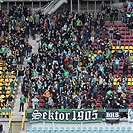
74, 66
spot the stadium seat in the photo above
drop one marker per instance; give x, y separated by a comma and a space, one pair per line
111, 128
128, 129
101, 129
117, 128
67, 128
84, 128
40, 129
123, 128
95, 129
89, 128
29, 130
78, 128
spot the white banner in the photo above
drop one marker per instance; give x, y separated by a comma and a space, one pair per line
130, 115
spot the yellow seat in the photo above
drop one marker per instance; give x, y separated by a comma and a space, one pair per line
113, 47
2, 96
0, 68
122, 47
130, 47
115, 79
6, 80
129, 79
0, 84
12, 76
14, 92
112, 51
126, 50
116, 83
12, 72
117, 47
126, 47
0, 72
129, 83
7, 92
1, 80
7, 84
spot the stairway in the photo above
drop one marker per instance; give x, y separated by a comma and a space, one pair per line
16, 115
53, 6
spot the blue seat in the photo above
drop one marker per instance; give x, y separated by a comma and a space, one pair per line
117, 129
123, 129
46, 130
41, 131
89, 128
79, 129
106, 129
67, 128
95, 129
40, 128
84, 128
29, 130
73, 128
56, 128
111, 128
128, 128
34, 129
100, 128
51, 129
62, 128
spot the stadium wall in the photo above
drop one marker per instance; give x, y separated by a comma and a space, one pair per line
102, 124
4, 122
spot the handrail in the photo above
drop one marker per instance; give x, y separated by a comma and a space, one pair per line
41, 8
55, 2
49, 4
23, 120
9, 123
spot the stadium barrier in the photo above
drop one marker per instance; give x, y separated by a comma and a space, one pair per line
79, 115
23, 120
10, 119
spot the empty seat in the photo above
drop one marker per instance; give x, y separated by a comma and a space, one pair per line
100, 128
123, 128
111, 128
89, 128
84, 128
128, 128
95, 128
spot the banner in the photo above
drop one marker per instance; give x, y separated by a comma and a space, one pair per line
112, 115
64, 115
130, 115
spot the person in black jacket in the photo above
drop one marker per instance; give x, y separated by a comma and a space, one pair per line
131, 28
118, 38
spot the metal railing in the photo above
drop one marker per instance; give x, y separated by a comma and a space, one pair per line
40, 8
23, 120
50, 4
9, 123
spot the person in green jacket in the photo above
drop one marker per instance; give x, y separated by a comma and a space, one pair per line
12, 84
22, 101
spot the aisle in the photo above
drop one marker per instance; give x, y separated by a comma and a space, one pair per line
16, 115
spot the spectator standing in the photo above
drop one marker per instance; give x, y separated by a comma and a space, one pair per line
111, 32
35, 103
22, 101
50, 102
118, 38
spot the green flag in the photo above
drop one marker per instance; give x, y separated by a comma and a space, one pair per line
3, 50
66, 73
